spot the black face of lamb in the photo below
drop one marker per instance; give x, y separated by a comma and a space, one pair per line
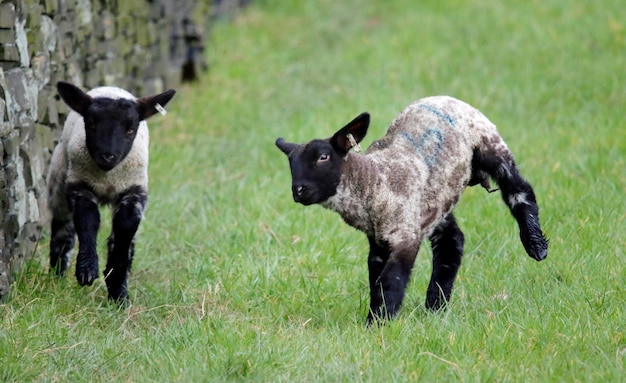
315, 171
111, 128
316, 166
110, 124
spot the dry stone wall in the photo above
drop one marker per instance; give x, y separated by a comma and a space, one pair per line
144, 46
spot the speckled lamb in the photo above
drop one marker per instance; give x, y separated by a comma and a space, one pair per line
405, 187
102, 158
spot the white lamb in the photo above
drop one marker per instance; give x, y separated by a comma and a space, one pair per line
102, 158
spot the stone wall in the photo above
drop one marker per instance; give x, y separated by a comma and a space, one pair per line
144, 46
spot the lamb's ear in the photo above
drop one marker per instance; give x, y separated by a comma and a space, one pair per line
286, 147
147, 106
74, 97
357, 128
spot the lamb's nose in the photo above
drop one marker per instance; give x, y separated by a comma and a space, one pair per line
299, 190
107, 157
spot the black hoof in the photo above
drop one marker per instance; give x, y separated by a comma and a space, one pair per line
86, 275
536, 247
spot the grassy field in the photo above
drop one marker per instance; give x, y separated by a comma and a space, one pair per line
233, 281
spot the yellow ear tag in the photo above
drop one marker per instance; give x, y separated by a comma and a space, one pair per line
353, 143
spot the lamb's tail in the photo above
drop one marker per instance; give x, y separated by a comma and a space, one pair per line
516, 193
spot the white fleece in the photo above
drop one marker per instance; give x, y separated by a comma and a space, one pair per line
71, 161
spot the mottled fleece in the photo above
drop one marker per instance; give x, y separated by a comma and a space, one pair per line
416, 173
404, 188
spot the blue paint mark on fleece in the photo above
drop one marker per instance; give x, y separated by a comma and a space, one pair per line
438, 113
431, 137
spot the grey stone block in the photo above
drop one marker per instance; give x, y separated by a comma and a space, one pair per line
8, 17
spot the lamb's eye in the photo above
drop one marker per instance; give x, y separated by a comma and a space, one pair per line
323, 158
130, 132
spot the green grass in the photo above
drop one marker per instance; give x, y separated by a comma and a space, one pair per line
233, 281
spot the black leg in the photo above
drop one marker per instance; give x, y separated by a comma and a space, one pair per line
519, 196
376, 261
447, 243
86, 222
62, 241
126, 219
387, 291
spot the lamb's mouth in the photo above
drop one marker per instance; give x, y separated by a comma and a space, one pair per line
304, 200
106, 166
